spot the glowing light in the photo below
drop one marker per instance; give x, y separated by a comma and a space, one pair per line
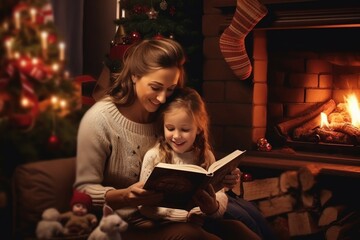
44, 38
8, 45
34, 61
33, 15
17, 20
61, 51
54, 100
16, 55
23, 63
324, 120
55, 67
25, 102
63, 103
353, 109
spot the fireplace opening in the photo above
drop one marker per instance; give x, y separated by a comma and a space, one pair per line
313, 77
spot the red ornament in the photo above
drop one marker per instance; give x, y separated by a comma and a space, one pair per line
246, 177
158, 36
52, 38
21, 121
135, 36
263, 145
53, 142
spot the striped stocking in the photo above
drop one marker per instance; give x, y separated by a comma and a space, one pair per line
248, 13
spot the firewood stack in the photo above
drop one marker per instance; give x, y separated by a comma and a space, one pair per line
296, 198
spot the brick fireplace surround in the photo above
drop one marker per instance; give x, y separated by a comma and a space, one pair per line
290, 51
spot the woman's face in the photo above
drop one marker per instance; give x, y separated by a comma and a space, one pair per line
152, 89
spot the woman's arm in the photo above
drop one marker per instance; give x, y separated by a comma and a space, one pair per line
132, 196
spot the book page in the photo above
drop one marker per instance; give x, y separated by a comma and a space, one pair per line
224, 167
223, 161
184, 167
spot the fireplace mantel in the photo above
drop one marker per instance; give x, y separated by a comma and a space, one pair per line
274, 160
292, 14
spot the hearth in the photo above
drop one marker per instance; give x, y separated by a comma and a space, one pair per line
311, 72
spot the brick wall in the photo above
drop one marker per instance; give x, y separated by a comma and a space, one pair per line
237, 108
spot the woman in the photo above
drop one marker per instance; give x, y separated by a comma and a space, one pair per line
115, 133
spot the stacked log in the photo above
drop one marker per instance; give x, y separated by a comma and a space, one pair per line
295, 197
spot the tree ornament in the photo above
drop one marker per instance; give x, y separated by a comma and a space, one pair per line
135, 36
163, 5
52, 38
158, 36
138, 9
246, 177
171, 36
152, 13
172, 11
53, 142
263, 145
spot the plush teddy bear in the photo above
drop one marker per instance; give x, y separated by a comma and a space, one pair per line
79, 221
49, 226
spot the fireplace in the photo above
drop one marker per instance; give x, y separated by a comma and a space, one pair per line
312, 71
313, 61
304, 53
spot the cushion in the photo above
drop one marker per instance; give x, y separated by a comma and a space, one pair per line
38, 186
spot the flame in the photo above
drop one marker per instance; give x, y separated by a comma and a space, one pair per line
353, 109
324, 120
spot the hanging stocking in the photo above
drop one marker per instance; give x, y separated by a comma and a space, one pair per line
248, 13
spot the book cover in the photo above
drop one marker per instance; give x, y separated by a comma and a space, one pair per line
179, 182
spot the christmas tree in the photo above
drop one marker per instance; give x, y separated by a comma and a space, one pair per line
145, 19
40, 104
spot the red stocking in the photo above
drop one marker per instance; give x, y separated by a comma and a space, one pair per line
248, 13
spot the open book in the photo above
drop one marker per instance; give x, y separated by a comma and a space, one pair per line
179, 182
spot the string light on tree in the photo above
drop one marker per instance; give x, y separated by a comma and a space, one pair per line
61, 51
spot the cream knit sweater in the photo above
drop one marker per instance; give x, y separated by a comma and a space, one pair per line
110, 149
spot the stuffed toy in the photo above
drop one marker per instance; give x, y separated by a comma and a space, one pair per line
49, 226
79, 221
110, 226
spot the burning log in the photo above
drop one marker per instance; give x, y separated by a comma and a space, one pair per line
314, 122
331, 136
285, 127
349, 129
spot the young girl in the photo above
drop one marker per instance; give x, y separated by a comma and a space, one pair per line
185, 140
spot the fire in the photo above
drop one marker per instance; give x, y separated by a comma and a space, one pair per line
349, 112
324, 120
353, 109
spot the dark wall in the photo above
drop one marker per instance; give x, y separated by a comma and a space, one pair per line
98, 31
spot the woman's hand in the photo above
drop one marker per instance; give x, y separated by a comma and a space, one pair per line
132, 196
206, 200
232, 179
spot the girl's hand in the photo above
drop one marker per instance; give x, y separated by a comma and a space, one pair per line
132, 196
232, 179
206, 200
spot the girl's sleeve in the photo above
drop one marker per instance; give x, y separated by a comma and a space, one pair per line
150, 160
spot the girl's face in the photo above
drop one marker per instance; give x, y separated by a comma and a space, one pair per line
152, 89
180, 130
